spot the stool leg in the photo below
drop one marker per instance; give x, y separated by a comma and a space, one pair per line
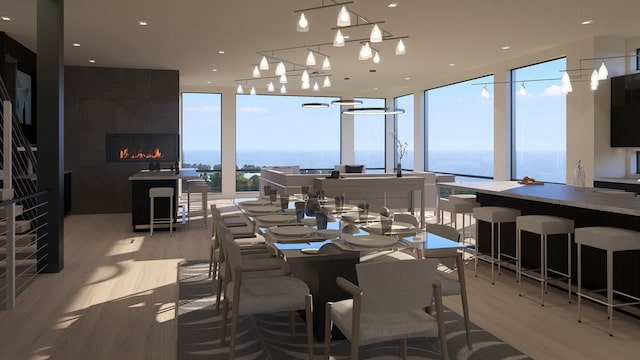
151, 217
205, 201
464, 238
543, 267
188, 208
579, 283
475, 268
170, 215
492, 252
519, 261
499, 250
569, 264
610, 290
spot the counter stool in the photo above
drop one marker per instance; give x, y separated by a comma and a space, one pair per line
198, 186
457, 204
543, 225
494, 215
611, 240
160, 192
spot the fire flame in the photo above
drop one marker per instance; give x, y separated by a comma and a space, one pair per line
155, 154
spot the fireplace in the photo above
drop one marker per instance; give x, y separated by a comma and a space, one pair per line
143, 147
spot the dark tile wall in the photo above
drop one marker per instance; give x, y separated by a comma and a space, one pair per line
112, 100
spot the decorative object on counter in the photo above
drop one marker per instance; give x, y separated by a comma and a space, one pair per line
527, 180
401, 150
175, 165
579, 176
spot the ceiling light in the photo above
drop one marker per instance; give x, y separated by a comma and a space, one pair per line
452, 64
587, 22
338, 40
400, 48
264, 63
283, 89
142, 23
603, 73
283, 79
214, 70
315, 105
344, 18
327, 82
256, 72
305, 85
505, 47
280, 69
239, 90
303, 24
365, 52
220, 51
253, 91
5, 18
92, 61
566, 83
376, 58
407, 78
373, 111
76, 45
208, 82
523, 90
485, 92
594, 80
376, 34
346, 102
392, 5
305, 76
270, 87
326, 65
311, 59
315, 86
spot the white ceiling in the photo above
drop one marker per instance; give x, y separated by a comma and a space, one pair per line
186, 35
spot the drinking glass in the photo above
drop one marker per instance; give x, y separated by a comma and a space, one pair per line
321, 220
284, 202
267, 189
273, 194
300, 206
386, 224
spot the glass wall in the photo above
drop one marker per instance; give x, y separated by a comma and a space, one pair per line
277, 130
369, 137
201, 139
404, 129
459, 128
539, 122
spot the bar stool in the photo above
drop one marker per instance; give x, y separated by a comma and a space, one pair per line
494, 215
611, 240
543, 225
160, 192
198, 186
458, 204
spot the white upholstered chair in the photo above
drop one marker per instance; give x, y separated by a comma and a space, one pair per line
260, 295
388, 304
406, 218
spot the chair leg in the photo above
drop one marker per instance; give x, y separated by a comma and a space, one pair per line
441, 329
292, 323
211, 261
327, 330
218, 293
223, 329
403, 349
308, 302
463, 295
234, 329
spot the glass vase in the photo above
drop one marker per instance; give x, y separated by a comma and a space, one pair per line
399, 170
579, 176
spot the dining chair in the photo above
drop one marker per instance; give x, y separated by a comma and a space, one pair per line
406, 218
388, 304
246, 295
452, 284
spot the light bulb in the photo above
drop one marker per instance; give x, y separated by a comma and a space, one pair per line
280, 69
400, 48
603, 73
264, 64
283, 89
253, 91
305, 76
344, 18
305, 85
326, 65
566, 83
523, 90
303, 24
239, 90
256, 72
311, 59
376, 34
594, 80
338, 40
485, 92
376, 58
327, 82
315, 86
270, 87
283, 79
365, 52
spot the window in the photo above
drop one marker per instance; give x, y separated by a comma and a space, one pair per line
277, 130
369, 137
404, 129
539, 122
460, 128
201, 122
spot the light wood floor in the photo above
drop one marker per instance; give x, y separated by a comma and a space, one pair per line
115, 299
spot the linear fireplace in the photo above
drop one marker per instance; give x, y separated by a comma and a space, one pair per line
143, 147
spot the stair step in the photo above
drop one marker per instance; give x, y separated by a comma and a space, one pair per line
19, 250
21, 239
22, 226
19, 263
3, 211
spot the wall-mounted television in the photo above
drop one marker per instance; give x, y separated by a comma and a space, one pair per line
625, 111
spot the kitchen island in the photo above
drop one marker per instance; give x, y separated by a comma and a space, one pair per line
142, 181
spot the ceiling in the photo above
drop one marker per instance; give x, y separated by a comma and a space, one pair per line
187, 35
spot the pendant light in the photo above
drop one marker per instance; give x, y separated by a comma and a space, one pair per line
485, 92
311, 59
264, 64
305, 76
365, 52
338, 40
523, 90
303, 24
253, 91
256, 72
376, 58
315, 86
280, 69
344, 18
566, 83
305, 85
327, 82
283, 89
400, 48
594, 80
603, 73
326, 65
270, 87
376, 34
239, 90
283, 79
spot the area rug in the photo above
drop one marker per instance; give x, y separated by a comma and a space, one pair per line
268, 336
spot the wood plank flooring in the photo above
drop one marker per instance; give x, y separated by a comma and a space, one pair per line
116, 299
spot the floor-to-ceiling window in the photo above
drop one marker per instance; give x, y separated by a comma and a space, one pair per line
201, 122
277, 130
539, 122
369, 137
404, 129
459, 126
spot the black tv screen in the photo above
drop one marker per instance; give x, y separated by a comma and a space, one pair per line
625, 111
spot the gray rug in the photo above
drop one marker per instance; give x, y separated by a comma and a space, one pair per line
268, 336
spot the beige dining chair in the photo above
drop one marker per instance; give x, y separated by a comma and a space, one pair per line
388, 304
406, 218
259, 295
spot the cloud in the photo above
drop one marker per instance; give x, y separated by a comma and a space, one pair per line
553, 90
253, 110
203, 108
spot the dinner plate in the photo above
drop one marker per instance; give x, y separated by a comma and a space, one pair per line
371, 240
395, 227
292, 230
276, 218
258, 202
265, 209
329, 233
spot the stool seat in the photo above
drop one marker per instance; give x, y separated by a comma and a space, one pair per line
495, 214
455, 206
608, 238
463, 197
545, 224
160, 192
195, 186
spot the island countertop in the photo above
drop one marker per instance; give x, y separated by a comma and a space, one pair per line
588, 198
165, 174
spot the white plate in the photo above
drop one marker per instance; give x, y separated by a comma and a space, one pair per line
395, 227
265, 209
371, 240
329, 233
292, 230
258, 202
310, 250
277, 218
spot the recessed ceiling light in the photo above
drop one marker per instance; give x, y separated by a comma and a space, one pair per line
208, 82
452, 64
92, 61
142, 23
375, 88
214, 69
221, 52
407, 78
76, 45
587, 22
346, 37
506, 47
5, 18
392, 4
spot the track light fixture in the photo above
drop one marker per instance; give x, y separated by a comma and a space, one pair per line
485, 92
376, 34
338, 40
239, 90
283, 89
253, 91
344, 18
566, 83
523, 90
595, 80
283, 79
280, 69
303, 24
256, 72
400, 48
270, 87
264, 63
305, 76
326, 65
311, 59
603, 73
327, 82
